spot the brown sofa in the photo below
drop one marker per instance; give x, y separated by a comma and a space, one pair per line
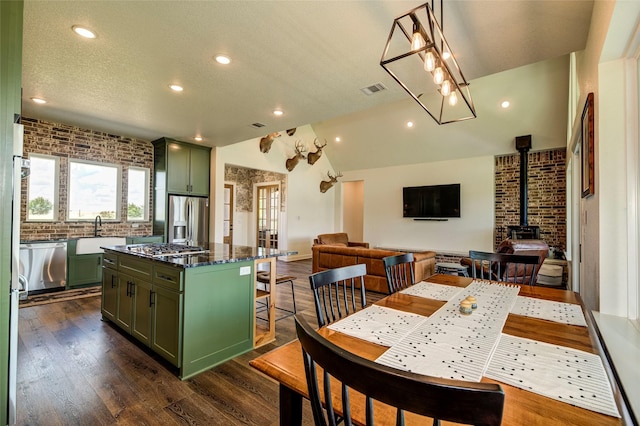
328, 256
338, 239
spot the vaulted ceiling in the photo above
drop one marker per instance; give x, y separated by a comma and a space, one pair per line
308, 58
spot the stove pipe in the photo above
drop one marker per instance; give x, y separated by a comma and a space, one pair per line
523, 144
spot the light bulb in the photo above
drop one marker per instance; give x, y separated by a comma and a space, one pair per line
429, 61
438, 75
417, 42
445, 89
453, 99
446, 55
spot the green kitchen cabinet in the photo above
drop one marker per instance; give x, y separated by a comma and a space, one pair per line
124, 301
141, 315
181, 168
110, 294
83, 270
146, 240
166, 332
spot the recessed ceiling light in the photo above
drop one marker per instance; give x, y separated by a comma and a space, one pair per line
446, 55
505, 104
39, 100
83, 32
278, 112
198, 138
338, 139
409, 123
176, 88
222, 59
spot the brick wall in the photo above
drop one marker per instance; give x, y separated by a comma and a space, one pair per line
546, 190
64, 141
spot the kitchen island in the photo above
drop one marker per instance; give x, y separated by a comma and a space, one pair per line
193, 306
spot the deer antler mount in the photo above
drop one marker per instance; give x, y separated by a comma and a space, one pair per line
315, 156
265, 142
325, 185
292, 162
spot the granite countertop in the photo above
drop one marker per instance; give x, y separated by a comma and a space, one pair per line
217, 254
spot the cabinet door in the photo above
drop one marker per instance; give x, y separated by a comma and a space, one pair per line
178, 167
199, 171
141, 320
166, 335
109, 293
123, 311
85, 269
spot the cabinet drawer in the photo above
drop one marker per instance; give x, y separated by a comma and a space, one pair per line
168, 277
135, 267
110, 260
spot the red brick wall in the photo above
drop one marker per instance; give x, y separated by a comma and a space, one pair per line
66, 142
547, 195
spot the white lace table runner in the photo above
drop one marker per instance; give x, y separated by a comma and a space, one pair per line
432, 291
565, 313
452, 345
378, 324
564, 374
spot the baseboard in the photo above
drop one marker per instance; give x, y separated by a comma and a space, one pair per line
295, 257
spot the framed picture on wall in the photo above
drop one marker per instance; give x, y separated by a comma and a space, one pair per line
586, 148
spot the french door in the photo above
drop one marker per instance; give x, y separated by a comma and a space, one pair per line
268, 209
227, 237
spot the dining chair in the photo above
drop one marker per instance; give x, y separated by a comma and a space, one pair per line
399, 270
515, 268
440, 399
334, 292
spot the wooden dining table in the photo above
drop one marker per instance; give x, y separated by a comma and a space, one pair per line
285, 364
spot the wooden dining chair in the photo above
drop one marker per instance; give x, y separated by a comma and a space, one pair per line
399, 270
440, 399
338, 292
515, 268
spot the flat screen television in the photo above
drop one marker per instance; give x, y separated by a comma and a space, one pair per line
435, 201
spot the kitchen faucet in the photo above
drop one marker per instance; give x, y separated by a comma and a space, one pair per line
96, 231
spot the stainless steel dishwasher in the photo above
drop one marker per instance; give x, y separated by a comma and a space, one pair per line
44, 265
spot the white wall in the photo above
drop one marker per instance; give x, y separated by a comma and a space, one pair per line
309, 212
383, 222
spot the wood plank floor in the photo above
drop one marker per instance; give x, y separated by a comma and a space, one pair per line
74, 369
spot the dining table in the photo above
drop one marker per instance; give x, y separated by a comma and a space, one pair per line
524, 404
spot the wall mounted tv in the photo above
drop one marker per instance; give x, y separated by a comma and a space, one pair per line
431, 202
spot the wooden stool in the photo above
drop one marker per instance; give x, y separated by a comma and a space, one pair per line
263, 277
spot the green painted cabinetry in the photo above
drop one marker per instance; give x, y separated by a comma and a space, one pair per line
195, 317
182, 168
83, 270
145, 240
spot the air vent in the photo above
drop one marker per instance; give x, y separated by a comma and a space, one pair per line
258, 125
370, 90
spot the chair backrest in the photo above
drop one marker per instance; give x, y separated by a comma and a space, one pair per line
334, 292
399, 270
514, 268
443, 399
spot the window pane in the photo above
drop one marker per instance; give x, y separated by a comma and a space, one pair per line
138, 194
93, 191
42, 203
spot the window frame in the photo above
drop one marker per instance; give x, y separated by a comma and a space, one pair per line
56, 188
147, 198
118, 195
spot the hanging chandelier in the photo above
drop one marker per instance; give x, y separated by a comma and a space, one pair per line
418, 57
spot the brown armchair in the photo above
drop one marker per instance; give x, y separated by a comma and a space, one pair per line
338, 239
521, 247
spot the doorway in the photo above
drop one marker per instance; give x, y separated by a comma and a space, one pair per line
268, 209
227, 236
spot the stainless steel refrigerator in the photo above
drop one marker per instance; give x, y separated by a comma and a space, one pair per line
188, 220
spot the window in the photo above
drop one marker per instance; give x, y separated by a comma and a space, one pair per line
94, 189
42, 188
138, 194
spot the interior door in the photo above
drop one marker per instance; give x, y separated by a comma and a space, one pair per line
227, 237
268, 209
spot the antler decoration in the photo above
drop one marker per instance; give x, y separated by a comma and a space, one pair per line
292, 162
325, 185
265, 142
314, 156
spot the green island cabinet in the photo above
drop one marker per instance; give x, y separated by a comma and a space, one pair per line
83, 270
181, 168
194, 317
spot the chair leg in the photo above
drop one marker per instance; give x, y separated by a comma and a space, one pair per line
293, 297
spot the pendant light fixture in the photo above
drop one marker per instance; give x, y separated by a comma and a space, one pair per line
418, 57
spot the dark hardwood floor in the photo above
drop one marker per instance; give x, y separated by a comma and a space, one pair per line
75, 369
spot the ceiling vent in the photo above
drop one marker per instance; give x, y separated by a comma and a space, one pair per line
375, 88
258, 125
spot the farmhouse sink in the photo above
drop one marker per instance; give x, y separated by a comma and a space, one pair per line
93, 244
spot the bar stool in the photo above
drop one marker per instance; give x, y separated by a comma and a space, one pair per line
263, 277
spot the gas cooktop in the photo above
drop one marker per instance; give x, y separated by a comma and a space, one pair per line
166, 249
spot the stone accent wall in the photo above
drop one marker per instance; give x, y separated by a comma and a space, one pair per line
547, 195
65, 142
244, 180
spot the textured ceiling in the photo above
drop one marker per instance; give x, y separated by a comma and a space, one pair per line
309, 58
